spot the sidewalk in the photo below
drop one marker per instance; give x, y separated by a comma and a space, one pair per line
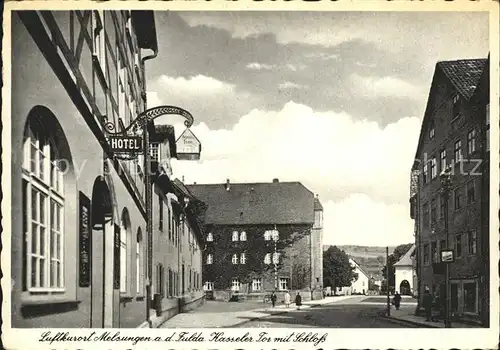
229, 319
406, 314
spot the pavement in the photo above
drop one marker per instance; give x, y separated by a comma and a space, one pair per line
219, 314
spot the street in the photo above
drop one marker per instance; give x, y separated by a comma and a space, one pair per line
350, 313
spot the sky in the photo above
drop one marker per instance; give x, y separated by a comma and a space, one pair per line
334, 100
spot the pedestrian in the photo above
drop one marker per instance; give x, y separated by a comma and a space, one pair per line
397, 300
287, 299
298, 301
427, 300
273, 299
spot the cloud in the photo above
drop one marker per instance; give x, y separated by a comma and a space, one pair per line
330, 153
376, 87
199, 84
259, 66
290, 85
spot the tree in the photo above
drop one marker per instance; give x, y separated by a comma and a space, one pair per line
337, 270
393, 258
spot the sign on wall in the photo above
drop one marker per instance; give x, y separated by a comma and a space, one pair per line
85, 235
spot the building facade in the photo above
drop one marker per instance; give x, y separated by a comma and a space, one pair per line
405, 274
261, 237
454, 134
78, 214
359, 285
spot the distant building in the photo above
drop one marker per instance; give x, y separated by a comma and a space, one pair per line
261, 237
455, 132
360, 284
405, 273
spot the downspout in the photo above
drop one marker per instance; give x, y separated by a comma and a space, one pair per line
148, 189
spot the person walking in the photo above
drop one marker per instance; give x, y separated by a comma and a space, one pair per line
287, 299
273, 299
427, 300
298, 301
397, 300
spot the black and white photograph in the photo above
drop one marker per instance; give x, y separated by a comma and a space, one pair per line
274, 170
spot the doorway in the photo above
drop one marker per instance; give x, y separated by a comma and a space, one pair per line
404, 288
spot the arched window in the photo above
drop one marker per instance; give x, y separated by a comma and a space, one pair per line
44, 199
139, 263
124, 228
243, 236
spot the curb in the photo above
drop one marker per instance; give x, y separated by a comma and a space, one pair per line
261, 317
401, 321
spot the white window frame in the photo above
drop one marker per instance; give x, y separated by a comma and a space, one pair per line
267, 235
235, 236
433, 168
243, 259
442, 159
243, 236
283, 283
210, 237
45, 180
457, 151
267, 259
210, 259
235, 285
234, 259
275, 235
471, 141
257, 284
154, 151
208, 286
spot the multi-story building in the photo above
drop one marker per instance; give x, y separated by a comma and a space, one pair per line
78, 233
261, 237
454, 135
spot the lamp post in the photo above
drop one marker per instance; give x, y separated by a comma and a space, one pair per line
127, 150
445, 178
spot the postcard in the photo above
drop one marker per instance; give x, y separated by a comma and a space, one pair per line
250, 174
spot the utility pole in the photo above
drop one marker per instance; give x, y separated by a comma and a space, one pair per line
387, 278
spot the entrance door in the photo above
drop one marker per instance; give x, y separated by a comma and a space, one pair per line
102, 257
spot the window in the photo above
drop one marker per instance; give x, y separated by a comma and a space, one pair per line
471, 192
433, 168
432, 132
426, 254
267, 235
154, 152
123, 253
488, 128
267, 259
160, 212
433, 211
470, 297
235, 259
208, 286
276, 258
283, 284
471, 242
458, 151
171, 220
471, 141
425, 215
442, 156
210, 237
98, 38
458, 245
235, 236
276, 235
139, 263
243, 236
210, 259
243, 258
235, 285
434, 252
256, 284
456, 106
425, 174
458, 198
160, 278
44, 203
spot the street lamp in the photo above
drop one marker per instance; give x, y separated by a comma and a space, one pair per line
124, 145
445, 178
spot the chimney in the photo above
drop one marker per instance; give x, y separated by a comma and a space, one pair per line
276, 180
228, 185
194, 183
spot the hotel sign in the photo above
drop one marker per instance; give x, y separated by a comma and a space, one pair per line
125, 144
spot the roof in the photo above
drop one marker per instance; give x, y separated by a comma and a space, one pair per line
406, 259
359, 267
463, 74
317, 204
144, 23
256, 203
